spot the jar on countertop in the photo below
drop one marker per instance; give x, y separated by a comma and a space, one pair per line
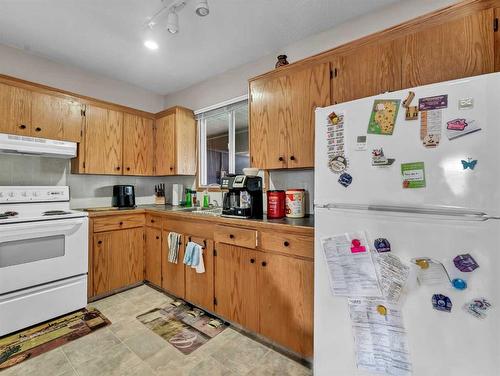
295, 203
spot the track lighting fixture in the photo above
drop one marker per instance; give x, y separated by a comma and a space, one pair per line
173, 9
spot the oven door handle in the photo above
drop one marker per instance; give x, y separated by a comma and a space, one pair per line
33, 230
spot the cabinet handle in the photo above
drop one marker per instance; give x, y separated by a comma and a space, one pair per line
252, 261
292, 158
171, 169
38, 129
157, 237
286, 244
22, 126
121, 223
231, 236
128, 168
118, 168
99, 242
264, 263
152, 221
280, 159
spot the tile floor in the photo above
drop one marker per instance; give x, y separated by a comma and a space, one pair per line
128, 348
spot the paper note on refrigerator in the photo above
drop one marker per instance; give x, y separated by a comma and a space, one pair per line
393, 275
379, 337
350, 264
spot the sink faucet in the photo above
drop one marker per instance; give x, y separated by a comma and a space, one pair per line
216, 203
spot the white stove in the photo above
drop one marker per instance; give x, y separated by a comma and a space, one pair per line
43, 256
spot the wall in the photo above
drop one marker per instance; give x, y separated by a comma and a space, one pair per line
234, 83
27, 66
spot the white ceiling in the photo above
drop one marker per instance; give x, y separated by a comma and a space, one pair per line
106, 36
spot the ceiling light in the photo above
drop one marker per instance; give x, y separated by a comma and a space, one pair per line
151, 44
173, 22
202, 9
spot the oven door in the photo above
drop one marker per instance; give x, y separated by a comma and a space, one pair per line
34, 253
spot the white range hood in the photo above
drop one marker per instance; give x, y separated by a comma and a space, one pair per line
32, 146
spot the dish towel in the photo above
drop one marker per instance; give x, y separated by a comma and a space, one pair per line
173, 247
194, 257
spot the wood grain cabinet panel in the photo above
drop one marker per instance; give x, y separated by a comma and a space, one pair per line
236, 285
117, 222
365, 71
200, 286
309, 89
175, 143
459, 48
236, 236
15, 110
173, 275
302, 246
497, 39
101, 263
152, 255
285, 286
269, 116
137, 145
56, 118
103, 141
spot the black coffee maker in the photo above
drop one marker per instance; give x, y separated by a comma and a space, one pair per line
243, 198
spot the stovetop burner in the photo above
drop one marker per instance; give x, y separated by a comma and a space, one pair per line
8, 214
56, 212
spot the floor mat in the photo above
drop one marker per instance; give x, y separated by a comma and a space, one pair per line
28, 343
182, 325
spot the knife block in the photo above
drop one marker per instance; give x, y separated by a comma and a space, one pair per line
159, 200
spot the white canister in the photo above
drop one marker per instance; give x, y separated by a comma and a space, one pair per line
177, 190
295, 203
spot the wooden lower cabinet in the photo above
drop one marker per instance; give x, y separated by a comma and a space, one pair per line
236, 285
200, 286
152, 256
173, 275
285, 286
118, 259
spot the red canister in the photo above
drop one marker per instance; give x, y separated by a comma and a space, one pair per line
275, 204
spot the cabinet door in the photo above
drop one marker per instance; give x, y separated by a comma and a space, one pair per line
497, 40
367, 71
102, 260
236, 285
15, 110
185, 141
456, 49
153, 255
128, 247
200, 286
309, 88
269, 116
103, 141
165, 145
173, 276
285, 286
73, 120
137, 145
46, 116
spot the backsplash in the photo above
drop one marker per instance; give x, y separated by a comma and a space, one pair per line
96, 190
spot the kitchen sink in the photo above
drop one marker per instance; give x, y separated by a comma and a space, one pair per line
204, 211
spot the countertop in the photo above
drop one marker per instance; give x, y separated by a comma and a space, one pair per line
305, 223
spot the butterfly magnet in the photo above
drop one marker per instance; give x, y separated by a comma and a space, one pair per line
469, 163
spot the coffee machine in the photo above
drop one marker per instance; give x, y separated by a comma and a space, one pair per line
243, 198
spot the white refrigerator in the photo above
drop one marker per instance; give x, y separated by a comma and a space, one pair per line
456, 212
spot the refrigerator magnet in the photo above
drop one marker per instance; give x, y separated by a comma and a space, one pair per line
459, 283
408, 99
477, 307
430, 128
357, 247
465, 263
338, 164
411, 113
465, 103
460, 127
333, 117
441, 303
360, 143
413, 175
345, 179
433, 103
383, 116
379, 158
382, 245
469, 163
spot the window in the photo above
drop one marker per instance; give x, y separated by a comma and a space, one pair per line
223, 142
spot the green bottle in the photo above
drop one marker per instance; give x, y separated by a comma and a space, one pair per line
188, 198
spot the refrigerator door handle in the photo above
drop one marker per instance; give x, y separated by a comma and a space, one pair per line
445, 211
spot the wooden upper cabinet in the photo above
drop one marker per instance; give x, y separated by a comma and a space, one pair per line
282, 116
269, 116
175, 143
497, 39
15, 110
309, 89
103, 141
137, 145
55, 118
459, 48
365, 71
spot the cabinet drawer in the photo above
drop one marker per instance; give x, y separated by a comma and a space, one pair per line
236, 236
118, 222
293, 244
153, 220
